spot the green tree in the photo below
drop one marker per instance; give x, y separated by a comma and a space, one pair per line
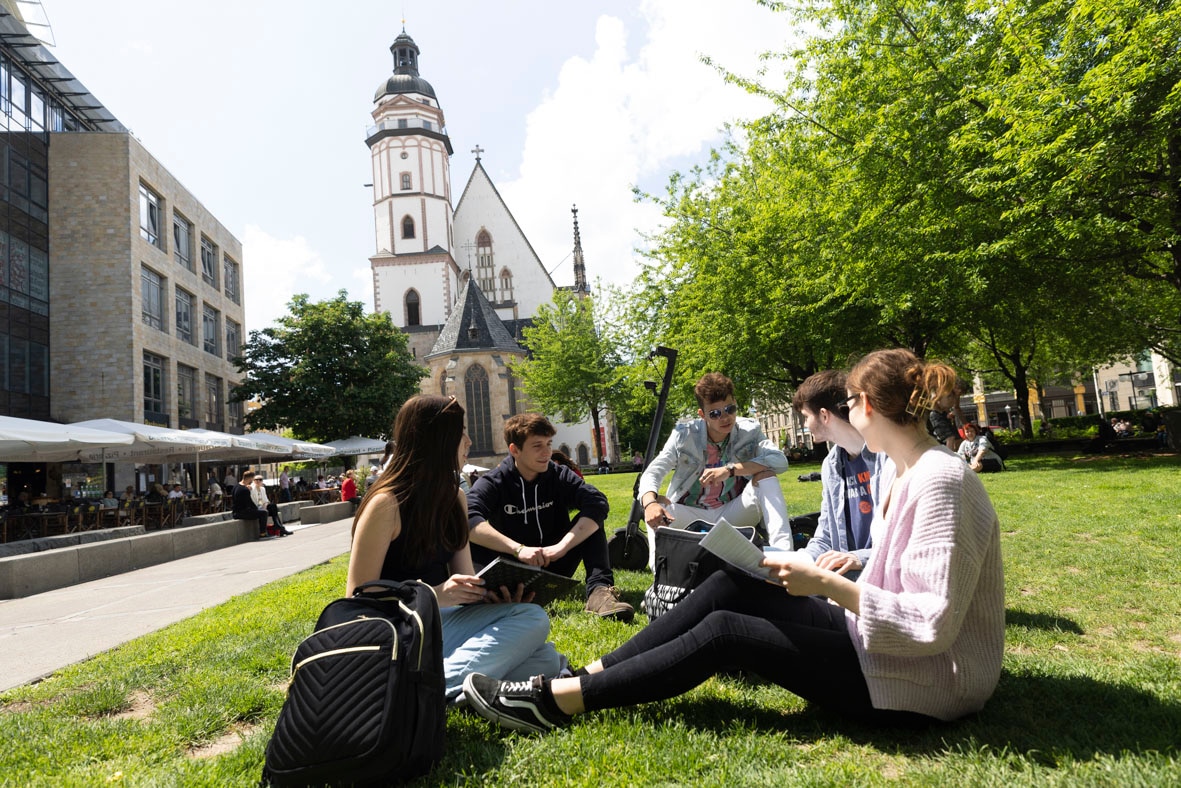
327, 370
570, 371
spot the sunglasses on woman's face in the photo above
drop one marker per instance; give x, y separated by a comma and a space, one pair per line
716, 413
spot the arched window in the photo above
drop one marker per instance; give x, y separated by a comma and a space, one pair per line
565, 449
413, 314
583, 455
443, 383
506, 285
479, 409
407, 227
485, 276
405, 181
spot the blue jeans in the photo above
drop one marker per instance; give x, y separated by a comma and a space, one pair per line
506, 641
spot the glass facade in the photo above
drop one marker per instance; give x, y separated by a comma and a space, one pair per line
27, 117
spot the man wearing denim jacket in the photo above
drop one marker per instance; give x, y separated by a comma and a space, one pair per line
723, 467
851, 477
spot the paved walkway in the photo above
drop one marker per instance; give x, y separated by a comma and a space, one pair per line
44, 633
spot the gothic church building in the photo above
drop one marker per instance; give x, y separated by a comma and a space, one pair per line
462, 282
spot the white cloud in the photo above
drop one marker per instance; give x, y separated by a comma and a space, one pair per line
618, 120
275, 269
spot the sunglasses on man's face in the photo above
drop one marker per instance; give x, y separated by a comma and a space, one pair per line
716, 413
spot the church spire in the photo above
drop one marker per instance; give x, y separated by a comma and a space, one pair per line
580, 285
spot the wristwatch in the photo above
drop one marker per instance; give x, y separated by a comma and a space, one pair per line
730, 468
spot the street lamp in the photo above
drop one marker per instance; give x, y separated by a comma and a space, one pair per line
1009, 416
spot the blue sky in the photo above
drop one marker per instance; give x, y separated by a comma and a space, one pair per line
260, 107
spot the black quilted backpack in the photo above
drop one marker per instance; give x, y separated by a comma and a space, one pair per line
366, 703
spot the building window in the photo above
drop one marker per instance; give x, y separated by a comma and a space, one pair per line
152, 290
583, 453
184, 316
413, 313
149, 217
406, 182
234, 417
479, 409
209, 330
407, 227
209, 261
443, 383
186, 392
426, 124
484, 275
213, 406
182, 241
233, 340
565, 449
232, 280
403, 123
153, 385
506, 286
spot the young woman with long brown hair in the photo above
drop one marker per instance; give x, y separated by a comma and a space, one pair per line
412, 524
917, 638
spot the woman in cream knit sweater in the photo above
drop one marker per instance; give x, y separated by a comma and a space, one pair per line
917, 638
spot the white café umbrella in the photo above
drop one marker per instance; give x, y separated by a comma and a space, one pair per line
297, 449
356, 445
29, 440
151, 443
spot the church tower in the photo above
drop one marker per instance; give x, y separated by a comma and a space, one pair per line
415, 277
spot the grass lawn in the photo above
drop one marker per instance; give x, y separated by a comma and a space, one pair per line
1090, 693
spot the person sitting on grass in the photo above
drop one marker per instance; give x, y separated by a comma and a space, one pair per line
851, 476
521, 509
918, 639
977, 451
712, 459
412, 525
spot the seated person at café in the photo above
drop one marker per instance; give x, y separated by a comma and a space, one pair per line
176, 492
109, 501
156, 494
977, 451
128, 494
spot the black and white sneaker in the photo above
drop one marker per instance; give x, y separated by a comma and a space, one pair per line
518, 705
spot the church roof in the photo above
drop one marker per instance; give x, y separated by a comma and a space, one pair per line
473, 325
479, 169
405, 78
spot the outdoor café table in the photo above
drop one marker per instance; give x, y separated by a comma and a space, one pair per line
331, 495
108, 516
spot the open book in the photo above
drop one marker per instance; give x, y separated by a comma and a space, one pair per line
724, 541
546, 586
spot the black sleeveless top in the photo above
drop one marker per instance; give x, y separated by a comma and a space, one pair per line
433, 572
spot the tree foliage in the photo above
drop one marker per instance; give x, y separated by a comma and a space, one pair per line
996, 183
327, 370
570, 371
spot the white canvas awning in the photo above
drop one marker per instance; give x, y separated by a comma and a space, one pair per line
28, 440
151, 443
356, 445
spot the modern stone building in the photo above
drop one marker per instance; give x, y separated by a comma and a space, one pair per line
120, 294
147, 291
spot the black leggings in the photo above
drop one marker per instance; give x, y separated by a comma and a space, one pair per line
735, 622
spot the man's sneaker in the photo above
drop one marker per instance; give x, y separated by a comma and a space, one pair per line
604, 602
518, 705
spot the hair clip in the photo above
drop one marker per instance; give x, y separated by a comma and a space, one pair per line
920, 403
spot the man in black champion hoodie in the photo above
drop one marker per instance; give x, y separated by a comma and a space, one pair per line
522, 509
